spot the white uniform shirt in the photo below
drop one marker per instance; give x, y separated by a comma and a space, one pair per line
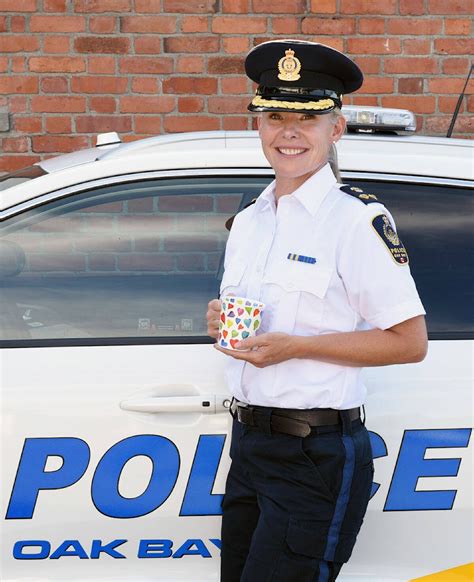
354, 284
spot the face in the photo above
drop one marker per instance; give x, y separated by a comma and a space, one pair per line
298, 144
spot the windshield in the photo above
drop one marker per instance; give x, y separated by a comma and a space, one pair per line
23, 175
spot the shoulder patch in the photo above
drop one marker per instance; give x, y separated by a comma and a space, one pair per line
230, 221
389, 237
359, 194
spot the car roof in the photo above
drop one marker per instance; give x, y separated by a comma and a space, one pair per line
405, 155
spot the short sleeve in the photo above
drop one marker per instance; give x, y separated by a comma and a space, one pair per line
375, 270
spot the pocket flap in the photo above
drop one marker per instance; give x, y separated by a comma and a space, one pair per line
307, 537
295, 276
233, 274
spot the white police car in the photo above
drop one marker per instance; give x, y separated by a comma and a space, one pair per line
114, 423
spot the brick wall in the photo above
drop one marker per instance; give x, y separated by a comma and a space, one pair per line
70, 69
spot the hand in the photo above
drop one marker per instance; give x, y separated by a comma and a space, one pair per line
265, 349
212, 316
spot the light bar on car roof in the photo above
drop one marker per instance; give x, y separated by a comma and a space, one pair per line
378, 119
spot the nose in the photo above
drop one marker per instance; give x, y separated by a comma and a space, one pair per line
290, 129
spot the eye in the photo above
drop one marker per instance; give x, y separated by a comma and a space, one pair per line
275, 116
309, 116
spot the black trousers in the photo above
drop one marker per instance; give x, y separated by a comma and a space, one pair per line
293, 506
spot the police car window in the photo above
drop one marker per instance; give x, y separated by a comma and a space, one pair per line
436, 226
136, 260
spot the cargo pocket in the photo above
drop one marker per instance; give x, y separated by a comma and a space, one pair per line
307, 537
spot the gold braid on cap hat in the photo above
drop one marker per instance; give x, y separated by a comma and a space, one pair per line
308, 105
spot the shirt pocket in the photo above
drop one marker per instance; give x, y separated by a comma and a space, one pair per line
232, 278
300, 298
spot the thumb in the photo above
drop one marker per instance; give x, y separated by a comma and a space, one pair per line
249, 343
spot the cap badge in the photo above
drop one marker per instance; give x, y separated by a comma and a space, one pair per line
289, 67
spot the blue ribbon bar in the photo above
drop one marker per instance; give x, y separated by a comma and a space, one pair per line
301, 258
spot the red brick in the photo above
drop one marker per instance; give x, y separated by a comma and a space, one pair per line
412, 7
16, 84
54, 85
332, 41
411, 65
103, 24
97, 84
101, 65
144, 85
234, 122
18, 44
450, 85
19, 103
18, 6
330, 25
190, 65
190, 104
190, 123
235, 44
227, 104
324, 6
225, 65
148, 6
190, 262
290, 25
54, 5
58, 125
373, 45
43, 104
279, 6
103, 104
101, 44
28, 124
57, 64
148, 45
3, 23
56, 44
15, 144
461, 46
58, 143
103, 123
18, 64
10, 163
235, 6
147, 124
417, 46
140, 104
448, 104
369, 65
194, 24
234, 85
368, 6
161, 24
57, 262
450, 7
455, 66
470, 103
361, 100
239, 24
190, 6
145, 65
412, 85
425, 26
197, 44
377, 85
102, 5
57, 24
458, 26
17, 24
371, 25
415, 103
3, 64
190, 85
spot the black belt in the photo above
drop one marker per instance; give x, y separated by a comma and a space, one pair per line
289, 420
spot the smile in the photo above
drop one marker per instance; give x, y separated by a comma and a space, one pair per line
291, 151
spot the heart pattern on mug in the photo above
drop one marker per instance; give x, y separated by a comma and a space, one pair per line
240, 318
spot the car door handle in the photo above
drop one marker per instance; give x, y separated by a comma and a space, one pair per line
204, 403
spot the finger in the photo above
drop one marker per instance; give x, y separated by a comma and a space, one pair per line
214, 305
236, 354
251, 342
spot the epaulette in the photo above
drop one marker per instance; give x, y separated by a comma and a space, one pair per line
230, 221
359, 194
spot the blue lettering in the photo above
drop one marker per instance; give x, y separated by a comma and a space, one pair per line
155, 549
412, 465
99, 548
199, 499
187, 549
379, 449
32, 477
63, 550
43, 545
216, 542
165, 458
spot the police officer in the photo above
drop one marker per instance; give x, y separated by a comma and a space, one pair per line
329, 265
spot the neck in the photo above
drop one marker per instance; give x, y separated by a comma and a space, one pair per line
285, 186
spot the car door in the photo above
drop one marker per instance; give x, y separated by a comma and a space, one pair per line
113, 404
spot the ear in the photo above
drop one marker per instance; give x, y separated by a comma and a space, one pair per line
259, 121
339, 128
